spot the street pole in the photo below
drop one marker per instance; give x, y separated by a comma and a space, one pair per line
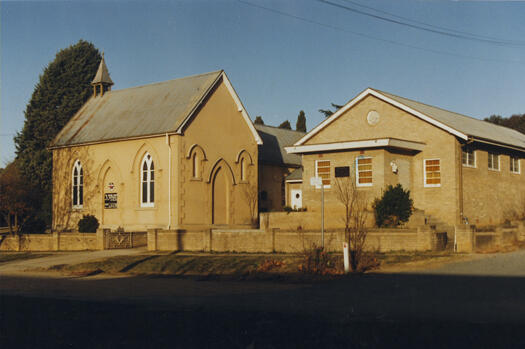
322, 215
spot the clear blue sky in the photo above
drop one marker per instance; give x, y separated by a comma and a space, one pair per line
297, 55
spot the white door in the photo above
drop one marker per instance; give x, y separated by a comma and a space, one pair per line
297, 198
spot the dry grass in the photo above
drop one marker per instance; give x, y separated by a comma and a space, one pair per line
13, 256
231, 265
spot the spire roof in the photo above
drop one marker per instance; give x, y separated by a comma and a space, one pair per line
102, 75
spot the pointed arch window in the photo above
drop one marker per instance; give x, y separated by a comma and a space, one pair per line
195, 166
243, 169
147, 179
78, 185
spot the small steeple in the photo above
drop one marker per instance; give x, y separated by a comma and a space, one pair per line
102, 82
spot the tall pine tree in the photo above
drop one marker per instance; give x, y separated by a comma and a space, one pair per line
300, 125
61, 90
286, 125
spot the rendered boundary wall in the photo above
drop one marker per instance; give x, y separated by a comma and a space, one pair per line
49, 242
469, 240
275, 240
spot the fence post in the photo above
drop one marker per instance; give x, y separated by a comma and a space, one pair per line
56, 240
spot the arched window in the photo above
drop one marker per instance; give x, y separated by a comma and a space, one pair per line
147, 179
195, 161
78, 185
243, 169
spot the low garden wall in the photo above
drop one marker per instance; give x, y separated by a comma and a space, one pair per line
49, 242
468, 239
276, 240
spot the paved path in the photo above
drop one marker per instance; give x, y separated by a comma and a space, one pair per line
510, 264
19, 266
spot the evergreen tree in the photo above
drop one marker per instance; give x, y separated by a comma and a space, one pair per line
258, 120
62, 89
300, 125
328, 112
286, 125
516, 121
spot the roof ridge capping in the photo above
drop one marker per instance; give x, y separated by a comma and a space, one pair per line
218, 72
446, 110
280, 128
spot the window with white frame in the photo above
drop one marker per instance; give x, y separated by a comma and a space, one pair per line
469, 158
493, 161
363, 166
514, 165
432, 172
78, 185
322, 169
147, 178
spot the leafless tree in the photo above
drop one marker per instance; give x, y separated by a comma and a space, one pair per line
250, 194
355, 215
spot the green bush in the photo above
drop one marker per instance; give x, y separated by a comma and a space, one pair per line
394, 207
88, 224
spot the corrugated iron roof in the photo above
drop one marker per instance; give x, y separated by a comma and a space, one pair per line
274, 140
296, 175
468, 125
138, 111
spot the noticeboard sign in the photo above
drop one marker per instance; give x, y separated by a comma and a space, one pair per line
110, 200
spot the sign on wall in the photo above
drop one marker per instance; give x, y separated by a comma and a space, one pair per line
110, 200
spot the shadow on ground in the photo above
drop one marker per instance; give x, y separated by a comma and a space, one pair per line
368, 311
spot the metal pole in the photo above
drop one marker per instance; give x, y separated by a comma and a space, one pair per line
322, 215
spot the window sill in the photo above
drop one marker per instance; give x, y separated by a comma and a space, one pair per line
195, 179
516, 173
146, 208
494, 169
469, 166
432, 185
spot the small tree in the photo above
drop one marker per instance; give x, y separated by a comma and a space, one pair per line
17, 199
355, 215
285, 125
258, 120
300, 125
251, 195
394, 207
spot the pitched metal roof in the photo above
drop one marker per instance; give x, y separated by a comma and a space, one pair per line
138, 111
468, 125
296, 175
102, 75
460, 125
274, 140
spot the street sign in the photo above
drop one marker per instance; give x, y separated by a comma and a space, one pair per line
316, 181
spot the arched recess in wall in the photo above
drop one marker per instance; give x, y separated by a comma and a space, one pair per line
221, 163
244, 160
222, 179
110, 194
197, 157
146, 147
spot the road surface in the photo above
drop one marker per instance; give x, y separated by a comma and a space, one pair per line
455, 306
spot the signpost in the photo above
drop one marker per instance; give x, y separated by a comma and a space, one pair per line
346, 257
318, 183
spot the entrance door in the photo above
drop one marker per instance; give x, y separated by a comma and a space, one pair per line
297, 198
220, 198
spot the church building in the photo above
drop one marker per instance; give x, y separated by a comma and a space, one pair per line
179, 154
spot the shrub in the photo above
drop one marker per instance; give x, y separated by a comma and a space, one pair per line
88, 224
394, 207
318, 261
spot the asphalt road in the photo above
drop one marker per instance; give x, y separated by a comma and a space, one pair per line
455, 306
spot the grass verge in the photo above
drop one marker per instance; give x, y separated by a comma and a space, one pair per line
222, 265
13, 256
